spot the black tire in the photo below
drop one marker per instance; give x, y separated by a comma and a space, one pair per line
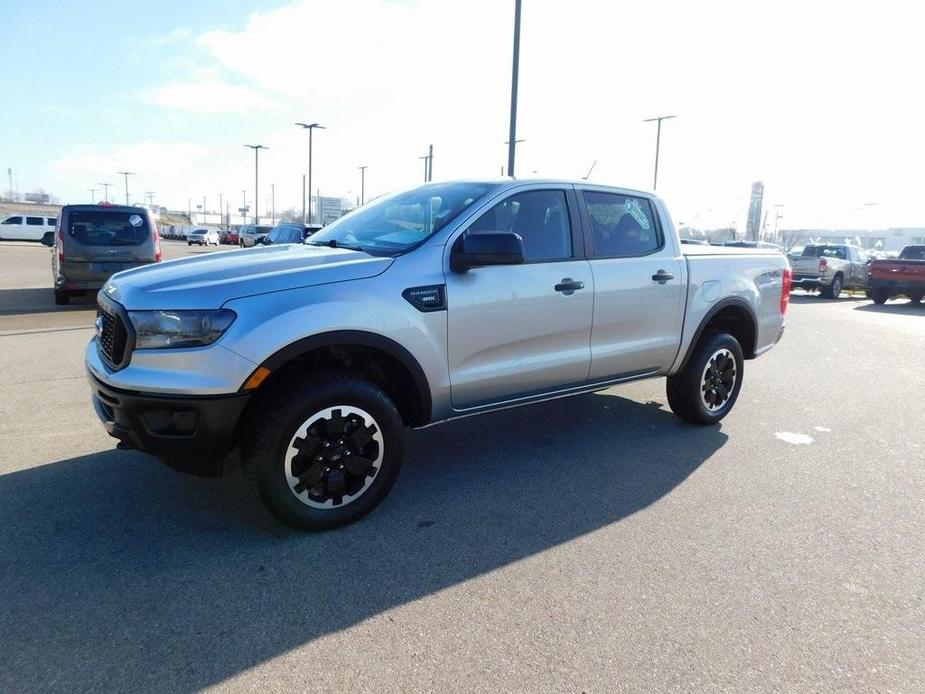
916, 297
276, 420
879, 296
62, 298
833, 291
688, 389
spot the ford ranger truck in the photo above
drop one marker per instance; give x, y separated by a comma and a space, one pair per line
904, 275
442, 301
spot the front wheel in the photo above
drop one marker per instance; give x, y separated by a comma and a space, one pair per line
705, 390
324, 450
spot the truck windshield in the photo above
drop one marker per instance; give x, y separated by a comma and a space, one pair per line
398, 222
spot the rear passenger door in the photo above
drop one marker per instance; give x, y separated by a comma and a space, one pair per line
519, 330
639, 285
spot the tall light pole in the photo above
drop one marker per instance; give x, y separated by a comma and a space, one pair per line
92, 192
658, 140
310, 127
363, 183
203, 209
512, 139
105, 190
273, 202
150, 195
426, 159
126, 174
244, 206
221, 210
256, 149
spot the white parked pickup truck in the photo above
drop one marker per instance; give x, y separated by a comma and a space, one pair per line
441, 301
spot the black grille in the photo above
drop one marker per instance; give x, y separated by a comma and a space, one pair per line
113, 336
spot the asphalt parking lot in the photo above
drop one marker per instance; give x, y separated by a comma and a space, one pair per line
592, 544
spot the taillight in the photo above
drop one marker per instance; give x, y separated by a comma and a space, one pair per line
823, 265
59, 243
157, 245
785, 290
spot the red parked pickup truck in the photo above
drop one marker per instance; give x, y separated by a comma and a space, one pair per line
904, 275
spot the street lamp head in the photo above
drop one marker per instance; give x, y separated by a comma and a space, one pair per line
652, 120
311, 125
256, 146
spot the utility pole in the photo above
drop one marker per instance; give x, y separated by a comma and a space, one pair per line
430, 163
221, 211
243, 206
256, 149
189, 209
362, 183
310, 127
203, 209
150, 195
92, 192
105, 191
126, 174
512, 138
658, 140
426, 159
273, 202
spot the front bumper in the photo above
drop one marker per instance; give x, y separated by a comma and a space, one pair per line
189, 433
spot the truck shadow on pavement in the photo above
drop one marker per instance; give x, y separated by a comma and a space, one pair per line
897, 306
807, 298
119, 574
40, 300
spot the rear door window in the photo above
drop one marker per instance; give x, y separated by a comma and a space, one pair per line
107, 228
34, 222
621, 225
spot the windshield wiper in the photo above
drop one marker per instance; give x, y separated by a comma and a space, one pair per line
334, 243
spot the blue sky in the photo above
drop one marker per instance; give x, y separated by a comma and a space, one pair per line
818, 100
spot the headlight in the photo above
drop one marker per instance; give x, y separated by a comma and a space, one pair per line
156, 329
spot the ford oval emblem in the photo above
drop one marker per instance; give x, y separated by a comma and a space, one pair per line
99, 326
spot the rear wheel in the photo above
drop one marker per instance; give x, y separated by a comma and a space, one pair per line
833, 291
324, 451
916, 297
879, 296
705, 390
62, 298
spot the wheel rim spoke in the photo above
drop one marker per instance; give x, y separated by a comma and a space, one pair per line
334, 457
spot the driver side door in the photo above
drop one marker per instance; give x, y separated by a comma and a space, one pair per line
521, 330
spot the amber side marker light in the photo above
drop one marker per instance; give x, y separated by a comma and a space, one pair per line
256, 378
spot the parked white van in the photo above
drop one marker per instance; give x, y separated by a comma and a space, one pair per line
22, 227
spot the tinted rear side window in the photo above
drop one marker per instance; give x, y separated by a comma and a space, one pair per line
34, 222
107, 228
622, 225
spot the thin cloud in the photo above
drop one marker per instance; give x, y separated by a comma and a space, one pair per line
209, 97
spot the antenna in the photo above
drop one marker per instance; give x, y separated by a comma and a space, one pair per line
590, 170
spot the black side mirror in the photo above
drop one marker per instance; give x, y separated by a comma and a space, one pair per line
487, 248
48, 239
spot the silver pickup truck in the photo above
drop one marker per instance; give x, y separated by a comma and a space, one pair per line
446, 300
831, 267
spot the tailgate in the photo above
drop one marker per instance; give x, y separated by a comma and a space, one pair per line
898, 270
806, 266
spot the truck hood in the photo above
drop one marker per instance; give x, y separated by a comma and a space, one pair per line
209, 280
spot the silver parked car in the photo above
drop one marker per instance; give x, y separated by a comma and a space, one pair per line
92, 242
441, 301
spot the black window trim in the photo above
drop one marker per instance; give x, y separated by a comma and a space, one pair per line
589, 231
574, 220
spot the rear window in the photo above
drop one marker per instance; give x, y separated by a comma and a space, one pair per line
913, 253
107, 228
825, 252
